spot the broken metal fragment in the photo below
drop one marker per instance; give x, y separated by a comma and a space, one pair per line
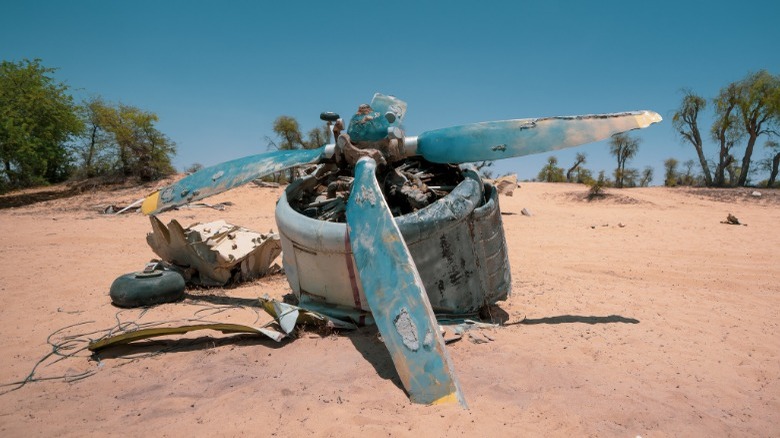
286, 316
215, 253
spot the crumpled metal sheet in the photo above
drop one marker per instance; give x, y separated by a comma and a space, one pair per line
286, 317
214, 253
506, 184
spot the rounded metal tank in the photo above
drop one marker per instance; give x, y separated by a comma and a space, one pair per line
457, 243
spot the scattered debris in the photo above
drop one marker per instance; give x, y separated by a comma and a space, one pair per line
450, 337
115, 209
476, 338
286, 317
216, 253
621, 225
756, 193
476, 331
526, 212
135, 206
506, 184
409, 185
271, 185
220, 207
732, 220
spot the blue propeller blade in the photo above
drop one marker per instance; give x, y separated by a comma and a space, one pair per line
514, 138
225, 176
396, 294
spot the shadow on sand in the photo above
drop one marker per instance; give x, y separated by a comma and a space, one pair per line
568, 319
374, 351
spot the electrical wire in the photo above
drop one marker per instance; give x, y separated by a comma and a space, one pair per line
71, 346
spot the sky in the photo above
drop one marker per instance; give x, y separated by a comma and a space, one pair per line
218, 73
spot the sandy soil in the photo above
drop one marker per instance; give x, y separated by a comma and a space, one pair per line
644, 315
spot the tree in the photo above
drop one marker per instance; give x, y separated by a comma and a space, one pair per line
726, 130
688, 179
289, 136
289, 132
748, 108
317, 137
194, 167
685, 123
584, 176
143, 151
37, 119
630, 177
758, 107
95, 147
597, 186
647, 177
773, 161
123, 139
623, 148
578, 160
670, 174
551, 172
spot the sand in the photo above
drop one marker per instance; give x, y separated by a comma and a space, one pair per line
643, 315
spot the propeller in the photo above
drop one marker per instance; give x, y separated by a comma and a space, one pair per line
457, 144
396, 295
386, 270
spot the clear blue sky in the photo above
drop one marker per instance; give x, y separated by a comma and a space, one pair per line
219, 73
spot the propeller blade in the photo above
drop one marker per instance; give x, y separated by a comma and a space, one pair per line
514, 138
396, 294
225, 176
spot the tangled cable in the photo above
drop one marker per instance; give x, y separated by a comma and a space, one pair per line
67, 346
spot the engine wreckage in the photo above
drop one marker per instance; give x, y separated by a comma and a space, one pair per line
389, 229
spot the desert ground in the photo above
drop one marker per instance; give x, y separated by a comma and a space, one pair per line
637, 314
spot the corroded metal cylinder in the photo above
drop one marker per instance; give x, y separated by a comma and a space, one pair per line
457, 244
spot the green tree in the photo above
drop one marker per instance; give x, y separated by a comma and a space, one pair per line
630, 177
670, 174
578, 160
287, 129
95, 148
123, 139
773, 161
758, 107
584, 176
194, 167
624, 148
686, 124
142, 150
551, 172
688, 179
726, 130
37, 119
289, 136
647, 176
746, 109
317, 137
597, 185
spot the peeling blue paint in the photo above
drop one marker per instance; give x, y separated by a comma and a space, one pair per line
514, 138
397, 297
